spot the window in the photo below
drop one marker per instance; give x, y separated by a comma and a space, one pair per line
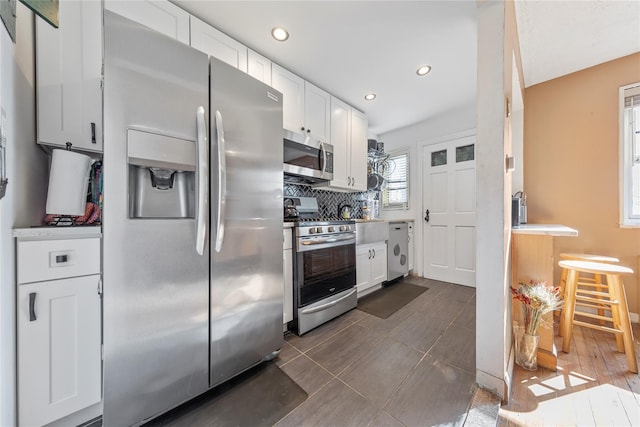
630, 155
396, 193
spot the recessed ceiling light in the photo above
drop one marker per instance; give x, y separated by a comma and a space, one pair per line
280, 34
423, 70
370, 96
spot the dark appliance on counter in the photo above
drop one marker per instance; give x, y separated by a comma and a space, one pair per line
518, 209
307, 160
324, 266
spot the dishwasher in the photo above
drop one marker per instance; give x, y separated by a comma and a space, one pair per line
398, 250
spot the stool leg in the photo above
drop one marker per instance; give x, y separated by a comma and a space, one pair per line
562, 287
598, 281
568, 309
616, 314
617, 291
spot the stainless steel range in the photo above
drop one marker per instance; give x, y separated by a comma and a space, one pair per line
324, 266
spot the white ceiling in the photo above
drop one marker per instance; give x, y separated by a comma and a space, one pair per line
350, 48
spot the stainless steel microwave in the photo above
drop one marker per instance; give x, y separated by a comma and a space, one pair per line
307, 160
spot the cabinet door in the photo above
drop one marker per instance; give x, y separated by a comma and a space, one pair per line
340, 139
69, 77
379, 263
410, 254
317, 112
159, 15
217, 44
59, 369
358, 159
292, 89
287, 265
363, 267
288, 285
259, 67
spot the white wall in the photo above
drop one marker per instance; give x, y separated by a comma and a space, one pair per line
23, 204
448, 126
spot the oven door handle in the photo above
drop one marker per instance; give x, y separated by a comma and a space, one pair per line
327, 305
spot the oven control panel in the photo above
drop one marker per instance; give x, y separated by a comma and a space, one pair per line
314, 230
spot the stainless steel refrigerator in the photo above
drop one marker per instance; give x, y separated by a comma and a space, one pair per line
192, 283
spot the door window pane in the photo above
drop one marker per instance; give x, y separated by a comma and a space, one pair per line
465, 153
439, 158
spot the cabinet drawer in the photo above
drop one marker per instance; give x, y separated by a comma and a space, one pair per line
56, 259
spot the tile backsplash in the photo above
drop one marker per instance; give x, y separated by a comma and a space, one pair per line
330, 201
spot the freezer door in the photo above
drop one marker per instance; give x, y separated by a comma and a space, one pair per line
156, 285
246, 217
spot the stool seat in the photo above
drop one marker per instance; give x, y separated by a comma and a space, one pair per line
595, 267
588, 257
609, 297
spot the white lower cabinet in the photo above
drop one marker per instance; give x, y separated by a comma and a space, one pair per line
371, 266
59, 330
411, 248
287, 265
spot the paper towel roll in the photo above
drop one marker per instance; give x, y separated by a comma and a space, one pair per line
68, 183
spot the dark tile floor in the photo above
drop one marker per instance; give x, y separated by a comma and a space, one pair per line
416, 368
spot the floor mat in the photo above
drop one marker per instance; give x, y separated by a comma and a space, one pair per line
259, 397
386, 301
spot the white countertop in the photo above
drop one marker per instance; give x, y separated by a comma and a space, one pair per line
288, 224
71, 232
545, 229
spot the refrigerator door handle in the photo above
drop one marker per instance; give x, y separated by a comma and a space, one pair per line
222, 182
202, 182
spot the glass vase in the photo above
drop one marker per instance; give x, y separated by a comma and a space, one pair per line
526, 347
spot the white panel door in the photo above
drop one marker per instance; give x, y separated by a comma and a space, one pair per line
217, 44
292, 89
58, 348
159, 15
449, 189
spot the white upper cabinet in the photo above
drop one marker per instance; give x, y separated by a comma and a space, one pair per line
349, 140
341, 141
259, 67
292, 88
358, 151
217, 44
317, 112
159, 15
306, 107
69, 77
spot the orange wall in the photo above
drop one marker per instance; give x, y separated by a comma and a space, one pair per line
571, 163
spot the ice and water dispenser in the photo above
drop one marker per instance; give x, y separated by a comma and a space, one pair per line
161, 175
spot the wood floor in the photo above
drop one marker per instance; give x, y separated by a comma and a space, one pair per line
592, 386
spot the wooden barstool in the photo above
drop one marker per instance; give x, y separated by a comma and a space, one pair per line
596, 279
611, 296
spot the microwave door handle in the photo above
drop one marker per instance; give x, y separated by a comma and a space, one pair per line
202, 182
222, 182
323, 152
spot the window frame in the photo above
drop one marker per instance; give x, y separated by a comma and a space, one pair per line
398, 206
625, 179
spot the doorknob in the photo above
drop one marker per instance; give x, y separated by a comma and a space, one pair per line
426, 215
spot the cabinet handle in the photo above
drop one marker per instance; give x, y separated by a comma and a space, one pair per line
32, 306
374, 252
302, 128
369, 253
308, 130
93, 133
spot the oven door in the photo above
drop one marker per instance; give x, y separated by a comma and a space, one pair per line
322, 272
